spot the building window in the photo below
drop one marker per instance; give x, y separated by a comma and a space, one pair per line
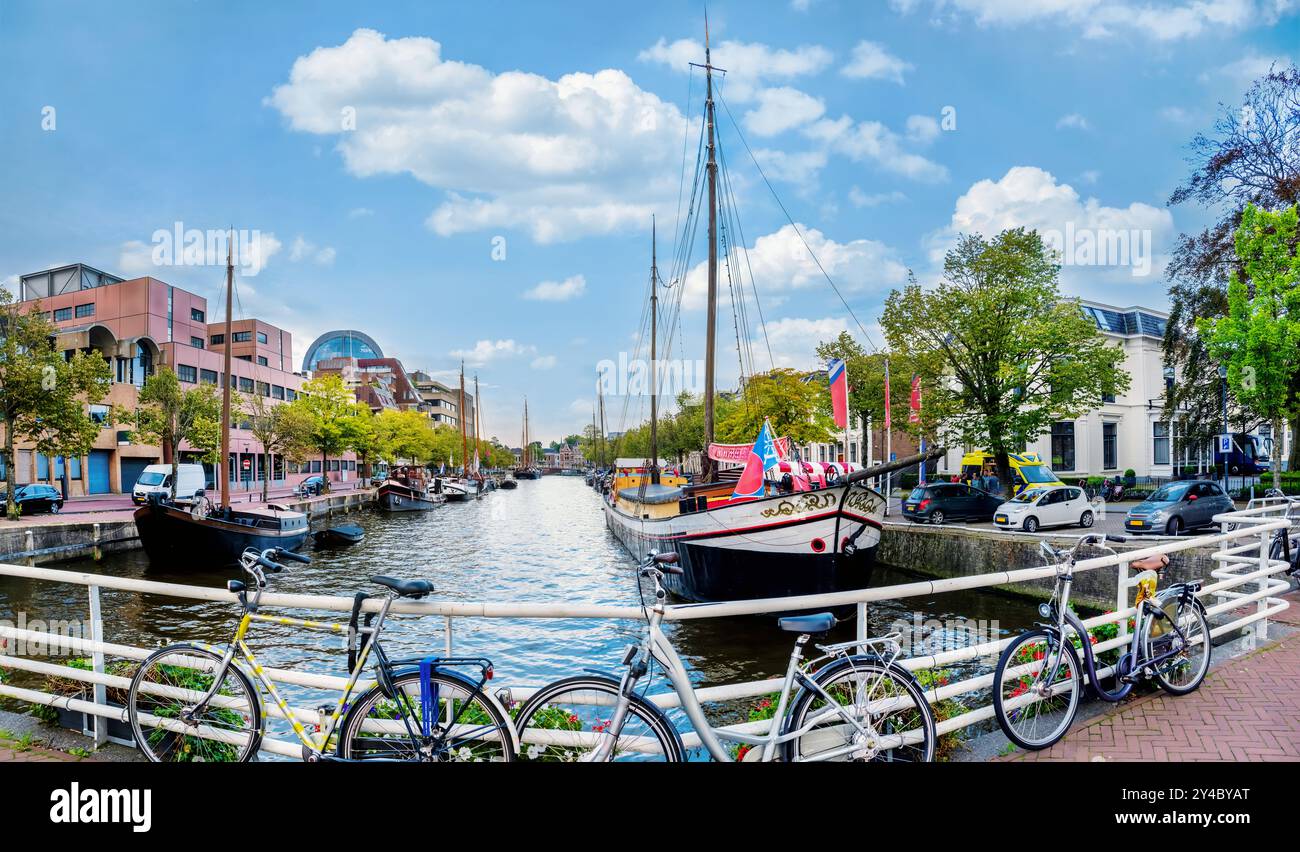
261, 337
245, 385
315, 466
196, 342
63, 314
248, 358
1063, 446
99, 414
1169, 379
1108, 397
208, 377
1109, 446
86, 310
263, 389
1160, 443
217, 339
197, 315
241, 337
277, 392
261, 360
186, 373
290, 394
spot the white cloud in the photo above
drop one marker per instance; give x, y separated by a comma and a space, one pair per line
794, 340
1073, 121
873, 61
487, 351
557, 157
782, 108
922, 128
1161, 20
858, 198
781, 263
558, 291
10, 283
749, 65
136, 258
360, 212
1175, 114
872, 141
800, 167
543, 362
1030, 197
1247, 69
1091, 176
303, 249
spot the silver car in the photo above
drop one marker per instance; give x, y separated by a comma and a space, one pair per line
1178, 507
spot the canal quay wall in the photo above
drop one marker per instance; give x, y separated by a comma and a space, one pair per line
63, 540
948, 551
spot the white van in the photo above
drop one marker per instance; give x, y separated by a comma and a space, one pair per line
157, 479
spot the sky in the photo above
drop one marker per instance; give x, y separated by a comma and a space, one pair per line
477, 182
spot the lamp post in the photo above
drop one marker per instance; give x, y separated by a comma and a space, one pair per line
1223, 396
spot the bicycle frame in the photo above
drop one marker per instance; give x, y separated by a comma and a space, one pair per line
657, 645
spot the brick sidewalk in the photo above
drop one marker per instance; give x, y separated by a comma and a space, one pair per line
34, 754
1248, 709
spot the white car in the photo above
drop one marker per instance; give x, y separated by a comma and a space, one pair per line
1053, 506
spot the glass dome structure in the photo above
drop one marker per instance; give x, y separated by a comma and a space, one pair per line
344, 343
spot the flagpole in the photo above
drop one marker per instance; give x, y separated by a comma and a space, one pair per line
889, 442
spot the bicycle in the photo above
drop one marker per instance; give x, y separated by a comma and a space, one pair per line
1037, 684
192, 702
859, 706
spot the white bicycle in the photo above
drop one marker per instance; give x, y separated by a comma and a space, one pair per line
853, 703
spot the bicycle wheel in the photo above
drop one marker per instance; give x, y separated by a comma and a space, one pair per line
468, 727
566, 720
886, 700
1037, 724
1185, 671
161, 707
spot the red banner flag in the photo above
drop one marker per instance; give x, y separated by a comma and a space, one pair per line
839, 382
914, 416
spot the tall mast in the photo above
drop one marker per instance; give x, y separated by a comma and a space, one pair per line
710, 347
600, 399
464, 460
526, 451
223, 465
478, 404
654, 362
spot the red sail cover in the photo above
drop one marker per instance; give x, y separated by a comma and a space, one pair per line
740, 452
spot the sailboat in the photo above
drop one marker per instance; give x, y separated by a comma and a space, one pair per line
201, 536
485, 483
459, 489
527, 468
775, 545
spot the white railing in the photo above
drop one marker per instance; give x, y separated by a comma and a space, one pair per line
1245, 575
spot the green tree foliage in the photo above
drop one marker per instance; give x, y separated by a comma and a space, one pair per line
169, 415
795, 405
283, 430
405, 436
1257, 339
43, 395
334, 414
1001, 353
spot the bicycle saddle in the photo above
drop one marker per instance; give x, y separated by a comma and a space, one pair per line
405, 588
816, 623
1151, 563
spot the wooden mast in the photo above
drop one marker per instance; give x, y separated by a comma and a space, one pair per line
223, 465
464, 460
526, 452
710, 347
478, 402
654, 362
600, 398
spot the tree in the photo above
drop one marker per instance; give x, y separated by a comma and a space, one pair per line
1250, 157
43, 394
795, 406
1257, 339
365, 441
334, 415
169, 415
282, 429
405, 435
1010, 355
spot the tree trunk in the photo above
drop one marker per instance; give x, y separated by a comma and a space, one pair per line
169, 449
1276, 461
1004, 470
266, 480
324, 471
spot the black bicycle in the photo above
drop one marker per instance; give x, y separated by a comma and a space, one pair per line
1038, 682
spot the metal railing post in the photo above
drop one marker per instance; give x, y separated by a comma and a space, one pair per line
862, 621
97, 664
1121, 597
447, 636
1259, 630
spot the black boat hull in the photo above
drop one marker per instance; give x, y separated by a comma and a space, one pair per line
339, 535
173, 538
396, 498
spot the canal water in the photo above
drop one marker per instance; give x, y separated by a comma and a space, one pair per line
544, 541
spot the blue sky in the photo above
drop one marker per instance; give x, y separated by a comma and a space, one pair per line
556, 130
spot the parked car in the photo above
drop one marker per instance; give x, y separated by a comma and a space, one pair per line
157, 479
35, 499
312, 486
1178, 507
1035, 508
944, 501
